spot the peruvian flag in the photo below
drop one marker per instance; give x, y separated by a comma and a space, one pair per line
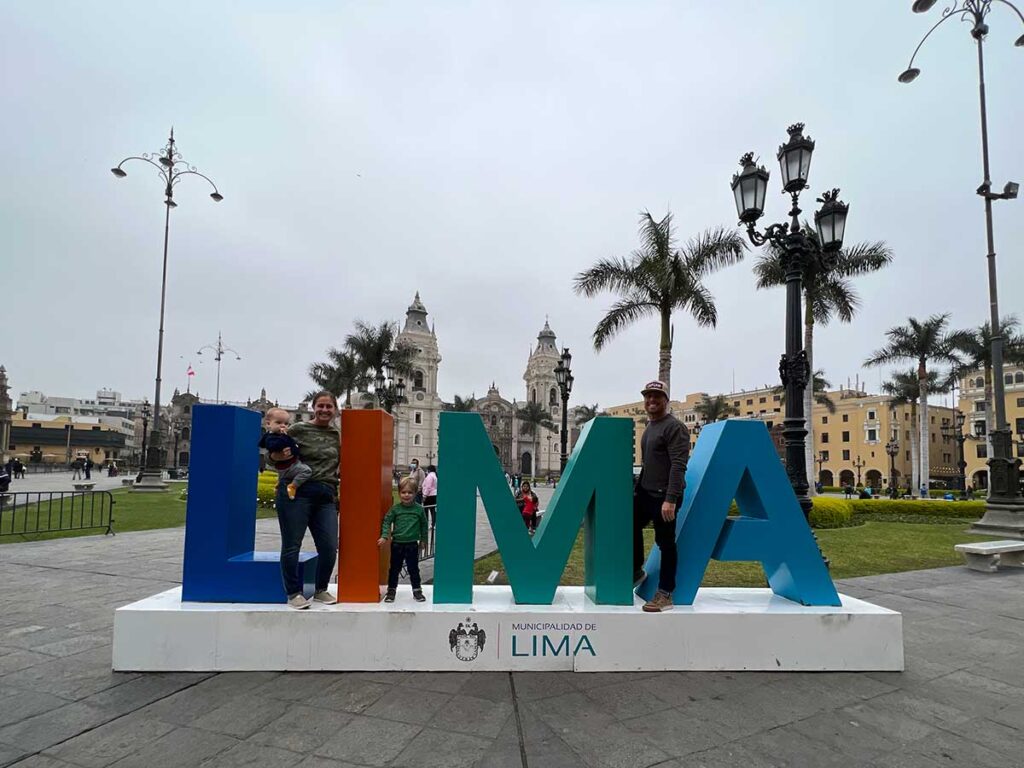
190, 371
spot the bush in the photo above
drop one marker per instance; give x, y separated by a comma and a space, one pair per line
923, 507
831, 513
831, 489
266, 487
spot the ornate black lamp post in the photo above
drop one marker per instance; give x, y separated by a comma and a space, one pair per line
821, 462
749, 187
218, 350
859, 464
171, 169
892, 448
563, 375
145, 429
1004, 513
955, 432
389, 393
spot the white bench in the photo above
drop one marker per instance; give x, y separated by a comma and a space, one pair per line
84, 486
127, 481
987, 556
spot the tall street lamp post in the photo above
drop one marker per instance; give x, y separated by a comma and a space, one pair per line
1004, 512
564, 377
799, 256
389, 393
145, 429
955, 432
859, 464
172, 169
892, 448
821, 463
218, 350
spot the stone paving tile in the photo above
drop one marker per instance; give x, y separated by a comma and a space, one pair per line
594, 734
72, 677
675, 732
301, 728
350, 694
369, 741
41, 761
539, 685
315, 761
493, 686
9, 753
785, 746
180, 748
432, 748
241, 717
73, 645
246, 754
111, 742
625, 700
17, 704
184, 707
836, 731
20, 659
297, 686
442, 682
468, 714
996, 736
542, 744
408, 705
34, 734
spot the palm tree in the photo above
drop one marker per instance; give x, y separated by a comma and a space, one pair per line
585, 413
977, 347
463, 404
904, 388
341, 374
922, 342
532, 417
715, 408
828, 293
818, 390
658, 279
377, 347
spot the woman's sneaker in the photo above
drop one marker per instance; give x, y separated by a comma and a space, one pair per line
298, 601
325, 597
417, 595
390, 596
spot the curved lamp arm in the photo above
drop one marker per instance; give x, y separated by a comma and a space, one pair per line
961, 13
116, 170
216, 195
1015, 9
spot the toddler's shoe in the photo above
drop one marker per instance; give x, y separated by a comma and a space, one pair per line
417, 595
390, 596
292, 488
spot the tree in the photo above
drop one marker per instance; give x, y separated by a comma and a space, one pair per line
828, 293
532, 417
658, 279
976, 347
463, 404
585, 413
904, 388
377, 347
819, 390
711, 409
340, 375
922, 342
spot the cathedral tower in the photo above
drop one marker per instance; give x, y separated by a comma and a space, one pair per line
416, 420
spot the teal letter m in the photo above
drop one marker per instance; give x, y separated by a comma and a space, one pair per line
596, 490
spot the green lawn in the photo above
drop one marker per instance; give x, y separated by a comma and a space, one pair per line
864, 550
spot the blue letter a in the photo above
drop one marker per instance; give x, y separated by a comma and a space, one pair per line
736, 459
595, 489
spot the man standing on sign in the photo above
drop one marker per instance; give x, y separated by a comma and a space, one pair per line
665, 448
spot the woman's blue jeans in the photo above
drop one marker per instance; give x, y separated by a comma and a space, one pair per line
315, 507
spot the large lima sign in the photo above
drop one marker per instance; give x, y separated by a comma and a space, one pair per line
229, 612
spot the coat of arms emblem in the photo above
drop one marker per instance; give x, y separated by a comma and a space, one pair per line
467, 640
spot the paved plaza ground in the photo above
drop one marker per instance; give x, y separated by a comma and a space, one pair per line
960, 702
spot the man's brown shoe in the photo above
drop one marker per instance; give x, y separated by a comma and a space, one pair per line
662, 601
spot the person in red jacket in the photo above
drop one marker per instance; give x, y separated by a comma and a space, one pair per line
528, 504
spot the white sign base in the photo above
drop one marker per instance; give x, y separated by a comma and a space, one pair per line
725, 629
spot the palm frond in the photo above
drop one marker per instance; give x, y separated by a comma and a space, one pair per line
622, 314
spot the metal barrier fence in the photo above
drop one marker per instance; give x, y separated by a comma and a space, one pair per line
29, 512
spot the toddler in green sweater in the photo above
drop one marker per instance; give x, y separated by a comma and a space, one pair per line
405, 526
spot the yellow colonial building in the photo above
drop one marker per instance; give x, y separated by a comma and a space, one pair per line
978, 420
849, 445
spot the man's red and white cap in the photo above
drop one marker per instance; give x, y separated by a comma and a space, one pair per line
655, 386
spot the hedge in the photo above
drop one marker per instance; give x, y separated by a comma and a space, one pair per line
831, 513
931, 508
266, 486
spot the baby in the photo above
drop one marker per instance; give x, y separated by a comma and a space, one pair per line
291, 470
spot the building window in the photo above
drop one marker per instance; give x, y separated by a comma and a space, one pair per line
1008, 378
762, 400
846, 437
824, 456
417, 380
982, 450
871, 415
979, 407
735, 403
824, 419
846, 417
417, 418
777, 399
1020, 426
1018, 377
416, 439
824, 437
908, 455
872, 435
750, 402
1020, 402
494, 420
533, 395
553, 397
846, 455
979, 429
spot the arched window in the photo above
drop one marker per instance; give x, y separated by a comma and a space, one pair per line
186, 433
1018, 377
979, 383
533, 395
494, 420
415, 439
553, 397
417, 380
1008, 378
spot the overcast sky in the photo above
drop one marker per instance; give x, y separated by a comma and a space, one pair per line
483, 154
